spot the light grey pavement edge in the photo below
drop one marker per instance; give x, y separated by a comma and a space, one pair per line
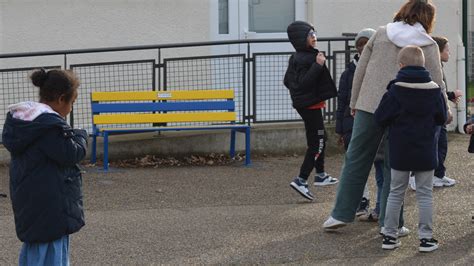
238, 215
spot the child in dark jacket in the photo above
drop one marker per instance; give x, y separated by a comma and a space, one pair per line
310, 84
413, 108
45, 180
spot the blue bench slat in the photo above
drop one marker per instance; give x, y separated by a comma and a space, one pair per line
162, 106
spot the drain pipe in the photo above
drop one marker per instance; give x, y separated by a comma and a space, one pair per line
461, 85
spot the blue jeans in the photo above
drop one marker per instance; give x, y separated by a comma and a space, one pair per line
440, 171
366, 137
50, 253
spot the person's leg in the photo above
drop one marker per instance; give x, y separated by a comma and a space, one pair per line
312, 141
378, 165
321, 141
366, 136
440, 171
386, 186
440, 179
399, 183
49, 253
300, 183
424, 196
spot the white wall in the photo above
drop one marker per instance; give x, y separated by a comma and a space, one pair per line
70, 24
45, 25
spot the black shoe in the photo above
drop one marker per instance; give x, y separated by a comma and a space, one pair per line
363, 207
390, 242
428, 245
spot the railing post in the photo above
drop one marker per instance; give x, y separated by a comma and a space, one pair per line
71, 115
249, 77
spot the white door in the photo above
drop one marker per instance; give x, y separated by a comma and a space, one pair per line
268, 19
261, 19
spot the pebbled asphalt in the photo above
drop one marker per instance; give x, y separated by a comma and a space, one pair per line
246, 215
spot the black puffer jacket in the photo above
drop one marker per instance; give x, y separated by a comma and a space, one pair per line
45, 182
308, 82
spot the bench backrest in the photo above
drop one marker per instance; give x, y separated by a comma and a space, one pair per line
137, 107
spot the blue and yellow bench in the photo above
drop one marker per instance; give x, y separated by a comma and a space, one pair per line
216, 108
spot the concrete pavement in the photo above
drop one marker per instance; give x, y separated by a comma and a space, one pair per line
233, 214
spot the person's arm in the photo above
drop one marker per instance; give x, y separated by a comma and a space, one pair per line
66, 146
433, 65
441, 115
360, 70
289, 72
342, 102
307, 74
387, 110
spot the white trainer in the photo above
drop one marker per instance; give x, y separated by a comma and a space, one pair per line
332, 223
403, 231
443, 182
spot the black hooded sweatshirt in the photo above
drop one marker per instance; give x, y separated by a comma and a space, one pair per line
308, 82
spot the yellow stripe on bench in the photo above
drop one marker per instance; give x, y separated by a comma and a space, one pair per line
161, 95
164, 118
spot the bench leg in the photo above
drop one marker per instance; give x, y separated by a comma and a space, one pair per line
247, 146
94, 149
232, 143
106, 151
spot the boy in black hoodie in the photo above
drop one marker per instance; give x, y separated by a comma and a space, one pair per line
413, 108
310, 84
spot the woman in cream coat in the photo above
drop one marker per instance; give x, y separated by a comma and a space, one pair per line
377, 67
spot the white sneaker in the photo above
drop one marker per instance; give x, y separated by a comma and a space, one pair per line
443, 182
403, 231
332, 223
412, 183
326, 180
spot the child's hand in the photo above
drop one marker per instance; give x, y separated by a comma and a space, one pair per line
457, 96
320, 59
470, 129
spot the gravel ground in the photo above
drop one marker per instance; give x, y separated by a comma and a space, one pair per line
245, 215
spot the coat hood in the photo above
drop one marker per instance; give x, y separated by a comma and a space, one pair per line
26, 122
298, 33
403, 34
413, 88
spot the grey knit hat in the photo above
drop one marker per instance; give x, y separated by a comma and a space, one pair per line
367, 33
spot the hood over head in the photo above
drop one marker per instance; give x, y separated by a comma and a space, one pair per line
26, 122
403, 34
298, 34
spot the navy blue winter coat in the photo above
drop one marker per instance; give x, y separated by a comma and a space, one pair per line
344, 118
45, 182
308, 82
413, 108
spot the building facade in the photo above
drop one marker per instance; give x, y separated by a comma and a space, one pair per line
45, 25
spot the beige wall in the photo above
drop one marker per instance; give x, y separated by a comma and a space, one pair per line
70, 24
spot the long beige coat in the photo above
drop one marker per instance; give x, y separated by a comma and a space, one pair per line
378, 66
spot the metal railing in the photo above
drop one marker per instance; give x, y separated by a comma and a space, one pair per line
255, 76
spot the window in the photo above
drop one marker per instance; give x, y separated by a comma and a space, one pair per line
223, 16
267, 16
